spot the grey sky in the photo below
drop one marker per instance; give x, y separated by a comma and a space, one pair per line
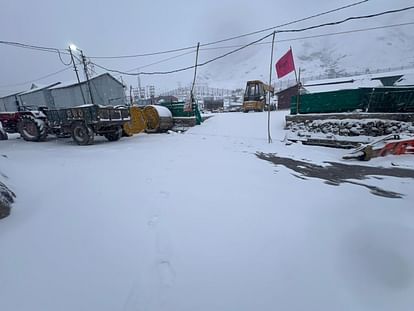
130, 27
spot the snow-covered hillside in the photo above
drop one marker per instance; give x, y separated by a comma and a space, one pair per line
348, 53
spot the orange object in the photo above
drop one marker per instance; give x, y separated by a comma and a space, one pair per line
397, 147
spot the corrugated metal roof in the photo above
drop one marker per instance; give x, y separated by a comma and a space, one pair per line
74, 82
40, 88
13, 94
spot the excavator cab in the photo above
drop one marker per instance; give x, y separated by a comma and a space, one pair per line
255, 95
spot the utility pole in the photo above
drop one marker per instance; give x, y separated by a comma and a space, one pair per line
130, 95
195, 76
269, 137
77, 75
85, 68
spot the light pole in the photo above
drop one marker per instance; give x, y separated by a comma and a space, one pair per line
73, 47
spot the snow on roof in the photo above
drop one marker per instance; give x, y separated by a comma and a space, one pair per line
12, 94
347, 83
37, 85
75, 82
407, 79
39, 88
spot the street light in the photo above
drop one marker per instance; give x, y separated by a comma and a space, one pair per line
73, 47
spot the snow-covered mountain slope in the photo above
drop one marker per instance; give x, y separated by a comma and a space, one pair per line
329, 55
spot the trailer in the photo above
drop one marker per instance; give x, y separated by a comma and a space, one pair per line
81, 123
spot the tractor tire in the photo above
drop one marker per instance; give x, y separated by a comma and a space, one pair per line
82, 134
32, 129
115, 135
3, 134
4, 210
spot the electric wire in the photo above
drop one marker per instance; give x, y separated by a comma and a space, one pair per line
39, 48
312, 36
234, 37
256, 42
37, 79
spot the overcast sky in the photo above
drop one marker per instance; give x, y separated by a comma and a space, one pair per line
102, 28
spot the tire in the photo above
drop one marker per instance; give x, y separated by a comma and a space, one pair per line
115, 135
82, 134
32, 129
4, 210
3, 134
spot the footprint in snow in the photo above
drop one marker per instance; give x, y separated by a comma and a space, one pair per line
153, 221
164, 194
166, 273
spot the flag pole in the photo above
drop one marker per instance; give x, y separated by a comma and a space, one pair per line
298, 96
269, 137
296, 75
297, 85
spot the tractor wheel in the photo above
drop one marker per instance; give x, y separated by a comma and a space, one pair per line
4, 210
82, 134
32, 129
115, 135
3, 134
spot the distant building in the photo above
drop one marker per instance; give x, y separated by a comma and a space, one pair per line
167, 98
284, 97
210, 103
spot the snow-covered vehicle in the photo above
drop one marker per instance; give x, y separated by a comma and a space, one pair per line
30, 124
81, 123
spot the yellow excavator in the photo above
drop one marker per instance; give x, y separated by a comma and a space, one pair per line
255, 95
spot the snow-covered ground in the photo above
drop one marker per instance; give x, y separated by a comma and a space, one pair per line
196, 221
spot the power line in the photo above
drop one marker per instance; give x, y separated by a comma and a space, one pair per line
313, 36
236, 50
269, 42
37, 79
232, 38
161, 61
259, 40
346, 20
59, 52
143, 73
287, 24
38, 48
185, 68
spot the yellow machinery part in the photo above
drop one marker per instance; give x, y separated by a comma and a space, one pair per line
137, 123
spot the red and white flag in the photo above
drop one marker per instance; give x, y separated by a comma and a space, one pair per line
285, 64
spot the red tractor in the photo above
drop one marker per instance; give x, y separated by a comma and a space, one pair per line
30, 124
